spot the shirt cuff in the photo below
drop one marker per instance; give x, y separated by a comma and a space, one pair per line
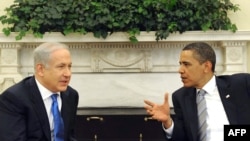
169, 131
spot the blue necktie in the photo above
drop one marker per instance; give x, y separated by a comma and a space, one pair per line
58, 122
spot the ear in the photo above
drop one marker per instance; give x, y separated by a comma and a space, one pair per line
40, 69
208, 66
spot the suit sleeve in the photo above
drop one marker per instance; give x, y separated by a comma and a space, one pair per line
12, 119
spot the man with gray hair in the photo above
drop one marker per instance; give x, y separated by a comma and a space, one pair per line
41, 107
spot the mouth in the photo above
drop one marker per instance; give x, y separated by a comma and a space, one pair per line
183, 79
65, 81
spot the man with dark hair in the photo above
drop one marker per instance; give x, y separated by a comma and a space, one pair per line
206, 102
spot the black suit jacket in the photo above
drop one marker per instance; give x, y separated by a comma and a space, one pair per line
237, 105
23, 116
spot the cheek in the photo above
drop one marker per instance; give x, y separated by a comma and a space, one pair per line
193, 74
192, 71
52, 77
49, 79
196, 75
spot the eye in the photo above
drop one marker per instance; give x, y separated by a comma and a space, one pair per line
185, 64
60, 66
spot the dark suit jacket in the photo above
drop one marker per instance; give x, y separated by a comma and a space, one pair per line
23, 116
237, 106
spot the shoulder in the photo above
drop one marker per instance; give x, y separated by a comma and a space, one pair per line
71, 92
21, 86
183, 91
235, 77
17, 96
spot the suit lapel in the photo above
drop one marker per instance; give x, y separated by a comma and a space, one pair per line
230, 109
191, 109
39, 108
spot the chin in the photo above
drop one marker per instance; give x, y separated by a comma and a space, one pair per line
61, 89
187, 85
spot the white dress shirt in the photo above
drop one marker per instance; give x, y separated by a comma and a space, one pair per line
46, 96
216, 118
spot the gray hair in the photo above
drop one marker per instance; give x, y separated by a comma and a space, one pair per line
42, 53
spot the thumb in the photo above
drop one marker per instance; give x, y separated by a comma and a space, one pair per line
166, 99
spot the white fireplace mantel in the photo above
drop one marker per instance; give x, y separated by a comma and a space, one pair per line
114, 72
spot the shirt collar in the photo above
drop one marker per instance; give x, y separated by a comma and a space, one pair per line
45, 93
210, 85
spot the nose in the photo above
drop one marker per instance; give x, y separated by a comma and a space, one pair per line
67, 72
181, 70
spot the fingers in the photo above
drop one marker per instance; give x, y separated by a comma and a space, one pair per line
149, 103
149, 111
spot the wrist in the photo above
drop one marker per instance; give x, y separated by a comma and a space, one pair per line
168, 123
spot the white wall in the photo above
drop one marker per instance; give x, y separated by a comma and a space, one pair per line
241, 18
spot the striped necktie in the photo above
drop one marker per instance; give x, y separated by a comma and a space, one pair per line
58, 121
202, 114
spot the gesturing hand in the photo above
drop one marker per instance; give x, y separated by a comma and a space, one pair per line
159, 112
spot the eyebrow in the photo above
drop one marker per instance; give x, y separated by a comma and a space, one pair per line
181, 62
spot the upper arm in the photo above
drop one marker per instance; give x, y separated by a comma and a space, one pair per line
12, 120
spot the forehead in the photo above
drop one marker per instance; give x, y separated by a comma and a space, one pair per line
60, 55
187, 56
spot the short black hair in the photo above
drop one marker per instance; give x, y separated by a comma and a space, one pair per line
202, 52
